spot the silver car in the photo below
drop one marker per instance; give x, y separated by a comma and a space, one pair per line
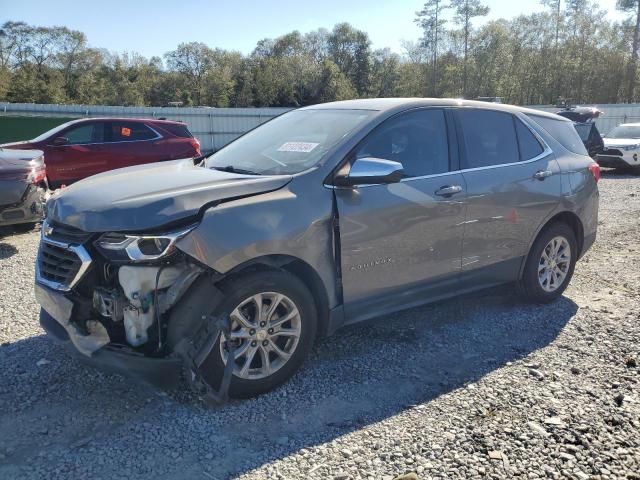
229, 268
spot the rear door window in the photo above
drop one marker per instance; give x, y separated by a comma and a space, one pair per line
129, 132
489, 138
563, 131
177, 130
417, 140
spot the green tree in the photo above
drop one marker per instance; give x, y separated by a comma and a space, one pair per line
465, 12
385, 73
431, 20
632, 7
350, 50
334, 85
193, 60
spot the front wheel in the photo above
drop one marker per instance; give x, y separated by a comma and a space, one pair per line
550, 264
273, 326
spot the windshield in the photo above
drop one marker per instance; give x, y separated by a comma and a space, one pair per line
53, 131
291, 143
625, 131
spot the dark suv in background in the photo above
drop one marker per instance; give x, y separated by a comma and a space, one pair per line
322, 217
81, 148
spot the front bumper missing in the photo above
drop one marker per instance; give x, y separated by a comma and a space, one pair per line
92, 346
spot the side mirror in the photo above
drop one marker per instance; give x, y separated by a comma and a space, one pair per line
59, 141
369, 170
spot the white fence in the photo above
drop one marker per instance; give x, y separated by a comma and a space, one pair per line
213, 127
614, 114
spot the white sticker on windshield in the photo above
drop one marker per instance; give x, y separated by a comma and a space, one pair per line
302, 147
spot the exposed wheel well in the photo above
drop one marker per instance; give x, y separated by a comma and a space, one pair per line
574, 222
303, 271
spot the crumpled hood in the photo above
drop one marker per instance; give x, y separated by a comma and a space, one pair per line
150, 196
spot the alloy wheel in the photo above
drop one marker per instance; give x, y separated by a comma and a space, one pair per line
265, 332
554, 264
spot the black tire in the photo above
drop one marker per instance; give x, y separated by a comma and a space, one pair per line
235, 291
529, 285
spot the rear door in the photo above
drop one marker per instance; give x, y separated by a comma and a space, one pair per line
81, 157
131, 143
401, 243
513, 184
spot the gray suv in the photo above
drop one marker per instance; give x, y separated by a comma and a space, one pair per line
228, 268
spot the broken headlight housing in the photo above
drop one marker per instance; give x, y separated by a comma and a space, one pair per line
125, 247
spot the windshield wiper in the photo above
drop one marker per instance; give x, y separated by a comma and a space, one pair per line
232, 169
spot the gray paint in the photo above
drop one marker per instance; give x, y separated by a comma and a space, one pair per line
293, 222
150, 196
434, 244
396, 235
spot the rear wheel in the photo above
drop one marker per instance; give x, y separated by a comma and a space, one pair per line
550, 264
273, 326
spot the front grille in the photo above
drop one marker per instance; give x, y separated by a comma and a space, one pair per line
60, 266
67, 234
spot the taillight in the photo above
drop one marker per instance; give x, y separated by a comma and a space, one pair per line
195, 144
594, 168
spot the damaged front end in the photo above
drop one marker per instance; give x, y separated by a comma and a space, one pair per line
114, 297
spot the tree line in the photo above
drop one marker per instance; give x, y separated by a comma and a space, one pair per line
566, 50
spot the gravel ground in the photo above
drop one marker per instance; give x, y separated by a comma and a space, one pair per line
479, 387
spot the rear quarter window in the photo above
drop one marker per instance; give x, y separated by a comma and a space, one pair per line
178, 130
527, 142
563, 131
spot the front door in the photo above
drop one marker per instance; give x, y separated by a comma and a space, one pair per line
401, 243
80, 157
513, 184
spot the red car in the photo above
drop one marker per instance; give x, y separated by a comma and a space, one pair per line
81, 148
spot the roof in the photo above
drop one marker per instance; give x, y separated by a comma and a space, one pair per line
384, 104
126, 119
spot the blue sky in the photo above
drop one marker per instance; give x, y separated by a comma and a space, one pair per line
155, 27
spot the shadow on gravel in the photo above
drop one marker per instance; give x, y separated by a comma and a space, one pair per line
64, 416
7, 250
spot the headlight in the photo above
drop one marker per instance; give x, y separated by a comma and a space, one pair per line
631, 147
138, 248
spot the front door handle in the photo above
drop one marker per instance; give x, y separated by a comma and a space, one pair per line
542, 174
448, 190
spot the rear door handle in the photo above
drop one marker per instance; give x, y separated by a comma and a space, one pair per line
542, 174
448, 190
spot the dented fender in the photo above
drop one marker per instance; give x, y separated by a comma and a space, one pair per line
278, 223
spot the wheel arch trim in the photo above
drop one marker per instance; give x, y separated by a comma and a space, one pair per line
567, 217
303, 271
